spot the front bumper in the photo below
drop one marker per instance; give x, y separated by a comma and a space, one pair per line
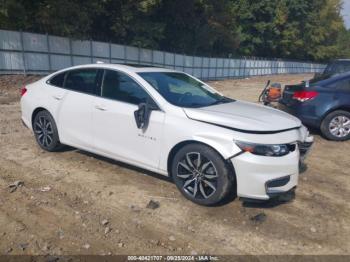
261, 177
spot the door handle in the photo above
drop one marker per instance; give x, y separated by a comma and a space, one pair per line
58, 97
102, 108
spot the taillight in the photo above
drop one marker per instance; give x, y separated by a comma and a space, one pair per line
23, 91
303, 96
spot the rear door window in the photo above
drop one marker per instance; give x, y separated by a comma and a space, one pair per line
82, 80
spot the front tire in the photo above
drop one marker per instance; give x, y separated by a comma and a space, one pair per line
201, 174
45, 131
336, 125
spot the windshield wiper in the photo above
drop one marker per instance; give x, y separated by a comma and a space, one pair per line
222, 99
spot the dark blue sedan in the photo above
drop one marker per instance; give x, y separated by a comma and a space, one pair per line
322, 102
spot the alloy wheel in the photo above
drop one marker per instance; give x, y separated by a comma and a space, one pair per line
43, 131
339, 126
199, 175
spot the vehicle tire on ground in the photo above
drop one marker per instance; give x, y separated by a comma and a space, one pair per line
201, 174
336, 125
45, 131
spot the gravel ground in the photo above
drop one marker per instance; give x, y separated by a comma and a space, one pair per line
73, 202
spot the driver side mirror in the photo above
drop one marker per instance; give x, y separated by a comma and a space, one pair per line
142, 114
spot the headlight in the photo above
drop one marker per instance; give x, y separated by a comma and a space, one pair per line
266, 150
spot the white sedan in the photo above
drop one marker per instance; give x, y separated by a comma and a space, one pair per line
170, 123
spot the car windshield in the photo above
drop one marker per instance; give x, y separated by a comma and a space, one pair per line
182, 90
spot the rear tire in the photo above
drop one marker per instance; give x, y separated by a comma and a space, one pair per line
336, 125
45, 131
201, 174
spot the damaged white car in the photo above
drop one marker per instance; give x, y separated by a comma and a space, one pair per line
170, 123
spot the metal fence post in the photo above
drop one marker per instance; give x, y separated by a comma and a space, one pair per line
216, 68
223, 67
183, 62
48, 51
254, 67
271, 61
239, 67
139, 54
202, 58
244, 66
71, 52
192, 65
209, 66
110, 52
91, 52
125, 56
152, 56
208, 75
23, 53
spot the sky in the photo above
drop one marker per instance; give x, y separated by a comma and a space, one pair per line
346, 13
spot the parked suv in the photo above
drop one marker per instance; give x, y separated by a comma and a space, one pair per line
170, 123
323, 102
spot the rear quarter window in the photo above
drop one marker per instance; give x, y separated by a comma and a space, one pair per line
57, 80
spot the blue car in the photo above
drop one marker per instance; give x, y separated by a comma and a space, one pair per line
323, 102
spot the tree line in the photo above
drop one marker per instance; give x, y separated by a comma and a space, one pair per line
292, 29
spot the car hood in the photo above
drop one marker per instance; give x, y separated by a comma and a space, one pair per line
245, 116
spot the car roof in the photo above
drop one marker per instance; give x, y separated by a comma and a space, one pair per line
343, 59
136, 68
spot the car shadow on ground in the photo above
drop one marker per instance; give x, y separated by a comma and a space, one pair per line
124, 165
274, 202
114, 162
